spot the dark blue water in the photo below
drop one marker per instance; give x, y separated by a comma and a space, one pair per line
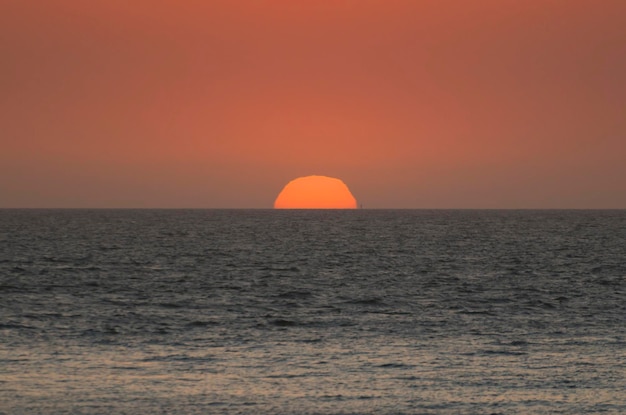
302, 312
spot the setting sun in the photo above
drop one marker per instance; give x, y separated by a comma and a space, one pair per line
315, 192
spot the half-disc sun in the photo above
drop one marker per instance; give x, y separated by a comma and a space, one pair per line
315, 192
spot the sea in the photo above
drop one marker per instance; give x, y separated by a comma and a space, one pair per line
312, 311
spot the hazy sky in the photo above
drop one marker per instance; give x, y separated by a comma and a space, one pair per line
219, 103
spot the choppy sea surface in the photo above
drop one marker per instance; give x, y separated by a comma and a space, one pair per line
312, 312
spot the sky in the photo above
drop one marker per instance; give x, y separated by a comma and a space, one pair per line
220, 103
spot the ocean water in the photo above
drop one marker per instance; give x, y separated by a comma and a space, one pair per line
312, 312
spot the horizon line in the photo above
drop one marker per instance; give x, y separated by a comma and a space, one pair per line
305, 209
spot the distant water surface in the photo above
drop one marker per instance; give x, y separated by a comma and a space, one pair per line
307, 312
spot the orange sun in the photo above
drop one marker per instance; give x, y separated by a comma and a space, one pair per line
315, 192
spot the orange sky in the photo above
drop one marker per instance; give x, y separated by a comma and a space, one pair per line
413, 104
